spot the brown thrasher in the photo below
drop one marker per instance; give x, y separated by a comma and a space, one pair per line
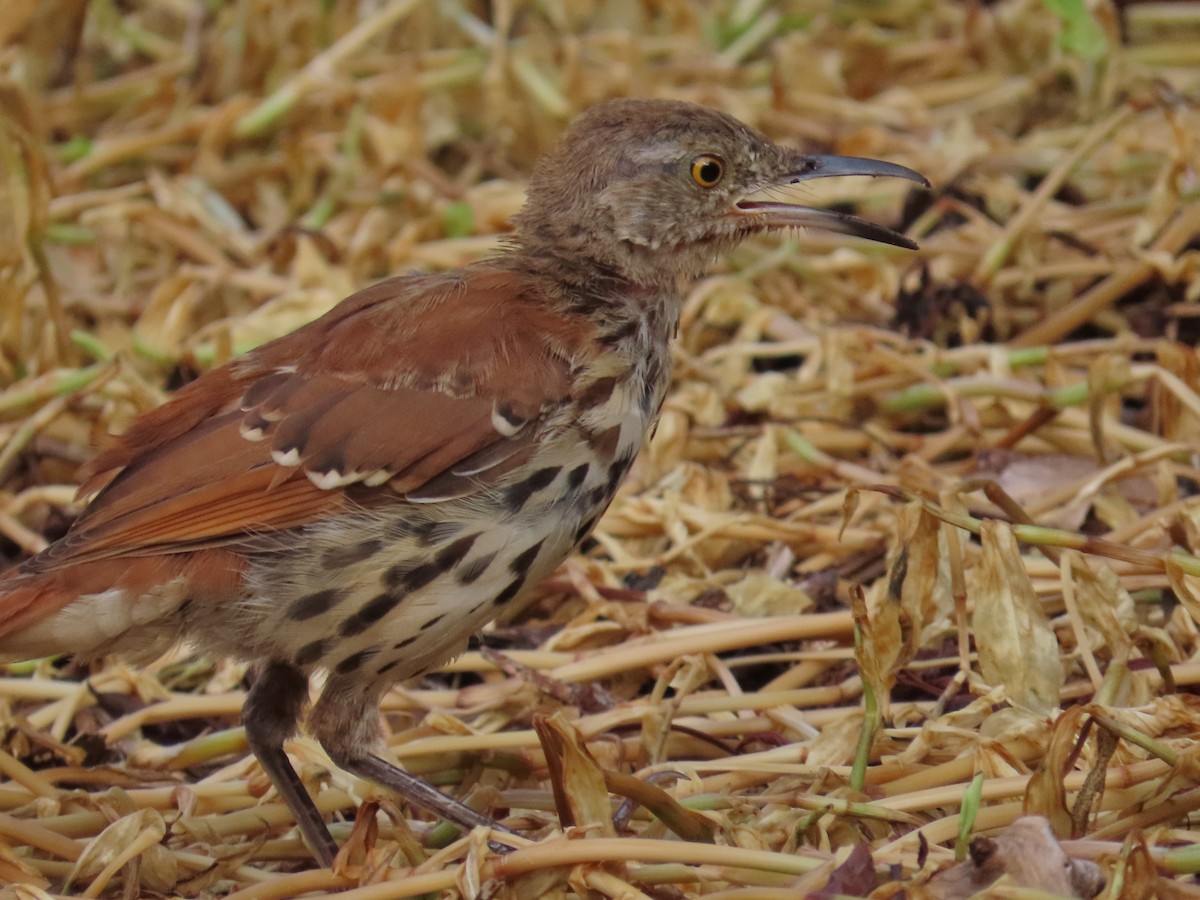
361, 495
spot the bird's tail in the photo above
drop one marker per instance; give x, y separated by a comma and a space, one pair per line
25, 601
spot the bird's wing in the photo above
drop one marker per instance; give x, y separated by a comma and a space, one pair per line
425, 387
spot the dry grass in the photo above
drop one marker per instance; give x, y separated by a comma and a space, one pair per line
180, 181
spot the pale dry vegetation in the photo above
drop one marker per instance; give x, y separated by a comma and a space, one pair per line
910, 555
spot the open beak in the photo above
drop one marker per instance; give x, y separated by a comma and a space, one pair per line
774, 214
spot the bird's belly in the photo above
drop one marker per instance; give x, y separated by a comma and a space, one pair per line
380, 593
391, 592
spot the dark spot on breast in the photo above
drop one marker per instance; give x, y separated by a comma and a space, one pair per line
470, 573
585, 528
597, 393
511, 591
617, 471
522, 561
399, 529
450, 556
355, 661
370, 613
411, 575
311, 605
340, 557
577, 476
600, 496
387, 667
517, 495
310, 653
432, 622
430, 533
400, 645
604, 443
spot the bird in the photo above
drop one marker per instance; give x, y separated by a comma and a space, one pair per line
360, 496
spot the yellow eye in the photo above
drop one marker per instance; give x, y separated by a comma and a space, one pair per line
707, 170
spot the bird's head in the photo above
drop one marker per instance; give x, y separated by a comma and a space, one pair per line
656, 189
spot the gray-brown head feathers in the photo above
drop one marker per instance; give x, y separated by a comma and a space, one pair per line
654, 190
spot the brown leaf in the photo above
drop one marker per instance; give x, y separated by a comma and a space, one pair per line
1106, 606
1046, 794
688, 824
1017, 647
853, 878
882, 627
925, 595
580, 793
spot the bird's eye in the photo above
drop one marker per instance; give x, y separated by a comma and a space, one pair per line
707, 170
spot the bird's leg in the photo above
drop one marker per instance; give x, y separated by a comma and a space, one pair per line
379, 771
346, 722
272, 710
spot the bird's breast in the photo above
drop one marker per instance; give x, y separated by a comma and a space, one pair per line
384, 593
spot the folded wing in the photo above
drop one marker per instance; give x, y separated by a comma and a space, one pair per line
422, 388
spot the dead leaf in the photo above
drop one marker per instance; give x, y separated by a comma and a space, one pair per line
855, 877
1017, 647
1046, 794
580, 793
119, 842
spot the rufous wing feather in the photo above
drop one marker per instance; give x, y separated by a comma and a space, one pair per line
395, 389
